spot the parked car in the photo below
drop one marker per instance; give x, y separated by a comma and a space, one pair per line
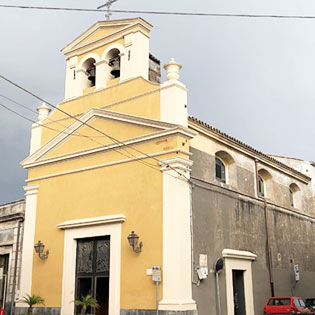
310, 303
286, 305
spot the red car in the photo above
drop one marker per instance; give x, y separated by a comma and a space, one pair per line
286, 305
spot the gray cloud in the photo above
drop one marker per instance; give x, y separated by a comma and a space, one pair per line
252, 78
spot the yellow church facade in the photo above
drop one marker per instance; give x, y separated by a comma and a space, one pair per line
108, 165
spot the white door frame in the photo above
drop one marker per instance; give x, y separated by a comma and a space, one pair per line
91, 227
239, 260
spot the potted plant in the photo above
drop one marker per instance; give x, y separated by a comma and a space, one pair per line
85, 302
32, 300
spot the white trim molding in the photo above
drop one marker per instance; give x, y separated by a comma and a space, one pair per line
239, 260
177, 163
163, 130
238, 254
118, 218
83, 169
84, 228
124, 26
31, 193
177, 289
94, 112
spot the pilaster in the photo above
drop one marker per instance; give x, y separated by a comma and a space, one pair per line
177, 288
31, 193
102, 74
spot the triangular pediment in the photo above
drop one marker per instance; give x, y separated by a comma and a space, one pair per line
103, 29
95, 131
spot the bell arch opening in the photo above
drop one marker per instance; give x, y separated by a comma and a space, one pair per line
113, 57
90, 73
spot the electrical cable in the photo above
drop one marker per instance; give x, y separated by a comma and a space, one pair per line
59, 131
277, 16
51, 120
32, 121
91, 127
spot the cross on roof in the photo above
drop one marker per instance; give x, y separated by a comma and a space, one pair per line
108, 5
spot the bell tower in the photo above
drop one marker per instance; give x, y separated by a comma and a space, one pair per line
108, 53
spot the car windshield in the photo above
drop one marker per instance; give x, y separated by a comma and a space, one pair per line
279, 302
301, 302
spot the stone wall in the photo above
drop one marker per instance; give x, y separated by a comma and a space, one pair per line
226, 219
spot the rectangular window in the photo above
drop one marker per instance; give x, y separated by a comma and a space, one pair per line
219, 170
279, 302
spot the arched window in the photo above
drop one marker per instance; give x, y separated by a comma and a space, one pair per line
220, 170
293, 194
291, 197
223, 162
261, 186
264, 184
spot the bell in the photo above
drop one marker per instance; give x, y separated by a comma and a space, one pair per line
91, 75
115, 64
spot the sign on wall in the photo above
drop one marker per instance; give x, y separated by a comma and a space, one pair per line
296, 272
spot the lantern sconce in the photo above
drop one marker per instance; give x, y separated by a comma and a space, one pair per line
133, 242
39, 249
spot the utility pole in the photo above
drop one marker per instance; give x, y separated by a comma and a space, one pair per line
108, 5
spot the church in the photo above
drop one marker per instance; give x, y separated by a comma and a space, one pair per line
148, 210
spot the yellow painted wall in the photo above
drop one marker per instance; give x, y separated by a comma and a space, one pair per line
90, 189
136, 97
121, 131
130, 189
100, 33
106, 157
98, 51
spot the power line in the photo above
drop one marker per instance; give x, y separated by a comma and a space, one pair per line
32, 121
16, 113
77, 134
19, 104
276, 16
95, 129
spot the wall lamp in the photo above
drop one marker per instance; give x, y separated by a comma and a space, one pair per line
133, 242
39, 248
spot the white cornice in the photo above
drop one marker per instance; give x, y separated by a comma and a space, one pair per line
178, 163
131, 142
31, 190
238, 254
118, 218
137, 26
88, 168
95, 26
94, 112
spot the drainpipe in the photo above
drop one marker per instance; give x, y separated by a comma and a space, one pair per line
269, 257
15, 266
197, 283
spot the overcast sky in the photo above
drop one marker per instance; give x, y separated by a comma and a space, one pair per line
252, 78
